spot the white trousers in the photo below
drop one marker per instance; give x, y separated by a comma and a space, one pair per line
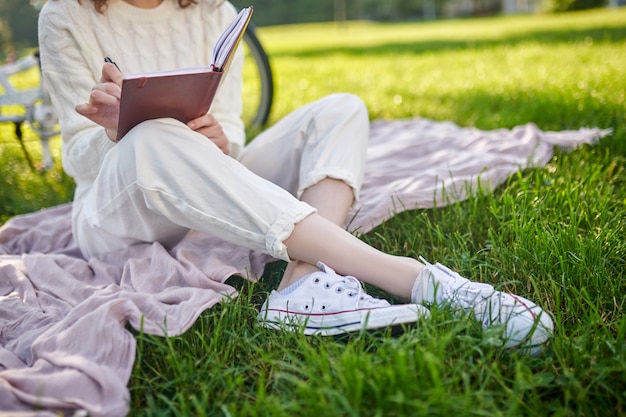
163, 180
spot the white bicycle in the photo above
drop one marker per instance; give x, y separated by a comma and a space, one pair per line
38, 113
35, 108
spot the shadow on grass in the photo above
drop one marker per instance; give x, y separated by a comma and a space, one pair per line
550, 109
550, 37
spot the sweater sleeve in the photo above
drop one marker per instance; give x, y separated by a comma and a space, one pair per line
73, 39
69, 76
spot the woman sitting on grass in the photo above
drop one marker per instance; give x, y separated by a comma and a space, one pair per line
286, 194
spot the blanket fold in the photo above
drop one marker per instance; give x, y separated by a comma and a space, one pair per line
64, 343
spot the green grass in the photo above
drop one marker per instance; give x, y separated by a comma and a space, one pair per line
554, 234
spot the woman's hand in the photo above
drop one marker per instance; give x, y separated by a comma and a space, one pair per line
103, 107
209, 127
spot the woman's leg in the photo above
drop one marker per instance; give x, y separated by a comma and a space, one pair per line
329, 125
332, 198
325, 139
318, 154
314, 239
163, 180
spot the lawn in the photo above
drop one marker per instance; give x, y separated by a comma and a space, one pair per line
554, 234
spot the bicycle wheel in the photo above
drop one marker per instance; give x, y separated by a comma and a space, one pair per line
258, 83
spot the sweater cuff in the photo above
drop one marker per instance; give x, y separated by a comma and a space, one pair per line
85, 156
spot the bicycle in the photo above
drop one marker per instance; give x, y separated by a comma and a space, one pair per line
38, 113
258, 81
37, 108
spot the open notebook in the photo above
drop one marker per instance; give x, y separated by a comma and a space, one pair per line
185, 93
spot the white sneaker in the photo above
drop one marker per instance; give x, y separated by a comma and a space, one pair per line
326, 304
527, 326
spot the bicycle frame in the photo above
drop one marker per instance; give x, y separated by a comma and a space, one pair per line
38, 111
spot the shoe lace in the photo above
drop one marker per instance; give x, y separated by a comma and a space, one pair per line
485, 301
364, 298
354, 289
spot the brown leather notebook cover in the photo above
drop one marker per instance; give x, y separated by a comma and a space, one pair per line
183, 97
183, 94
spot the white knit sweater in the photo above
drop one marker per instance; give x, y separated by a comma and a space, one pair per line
74, 39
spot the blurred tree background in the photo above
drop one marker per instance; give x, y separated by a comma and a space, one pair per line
18, 26
567, 5
275, 12
18, 18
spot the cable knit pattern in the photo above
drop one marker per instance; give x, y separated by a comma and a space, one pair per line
74, 39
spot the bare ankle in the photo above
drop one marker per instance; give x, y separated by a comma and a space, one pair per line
294, 271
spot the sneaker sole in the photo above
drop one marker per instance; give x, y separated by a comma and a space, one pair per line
342, 322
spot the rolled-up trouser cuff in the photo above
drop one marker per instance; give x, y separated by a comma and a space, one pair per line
348, 177
282, 228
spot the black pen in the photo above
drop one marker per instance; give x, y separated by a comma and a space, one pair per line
107, 59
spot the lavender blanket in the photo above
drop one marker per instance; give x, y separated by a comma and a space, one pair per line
64, 346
